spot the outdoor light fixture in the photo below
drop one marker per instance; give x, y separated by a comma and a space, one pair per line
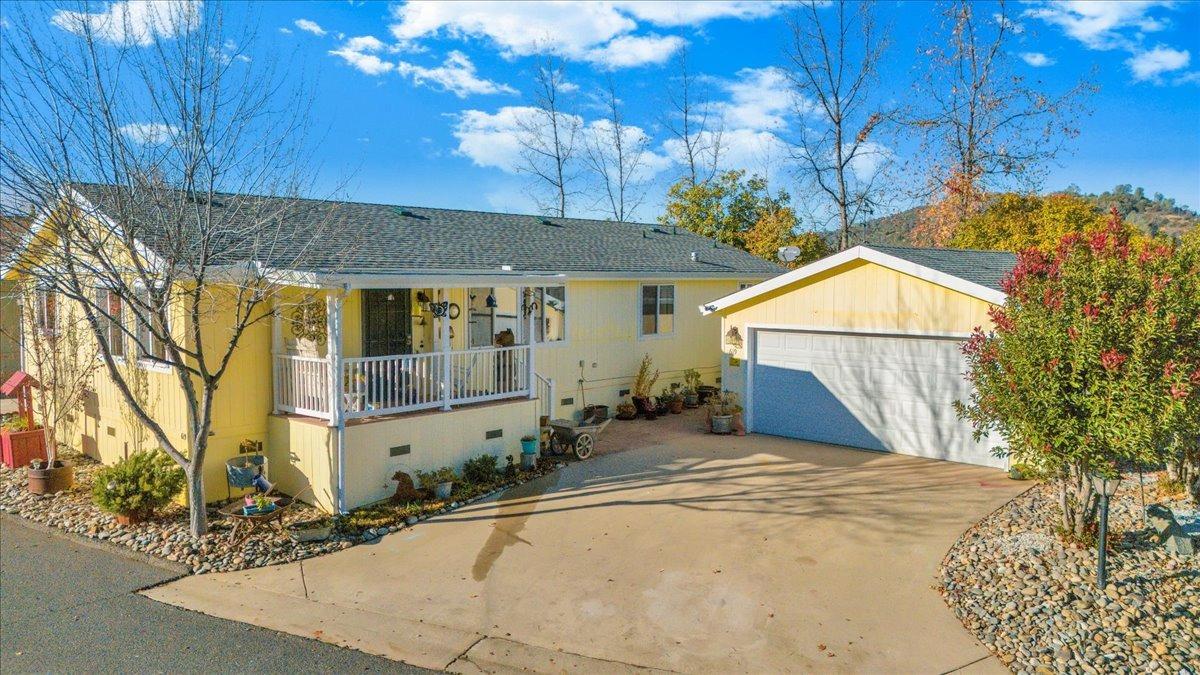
490, 301
733, 338
1106, 488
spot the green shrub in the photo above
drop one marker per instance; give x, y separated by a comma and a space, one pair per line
430, 479
139, 485
481, 470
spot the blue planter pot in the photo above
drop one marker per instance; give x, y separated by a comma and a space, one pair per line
529, 447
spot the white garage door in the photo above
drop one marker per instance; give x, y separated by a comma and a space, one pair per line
894, 394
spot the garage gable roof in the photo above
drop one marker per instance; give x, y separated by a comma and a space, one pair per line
974, 273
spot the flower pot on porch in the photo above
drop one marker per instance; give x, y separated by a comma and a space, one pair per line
676, 406
49, 480
722, 424
691, 400
644, 407
19, 448
529, 446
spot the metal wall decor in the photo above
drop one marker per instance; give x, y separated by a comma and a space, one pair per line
309, 321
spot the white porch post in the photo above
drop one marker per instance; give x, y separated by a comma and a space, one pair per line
337, 418
447, 371
276, 351
531, 376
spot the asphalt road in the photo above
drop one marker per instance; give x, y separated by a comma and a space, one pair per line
66, 606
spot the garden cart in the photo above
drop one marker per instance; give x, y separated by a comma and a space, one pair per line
578, 437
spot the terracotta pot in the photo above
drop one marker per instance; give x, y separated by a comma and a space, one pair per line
676, 406
130, 518
739, 427
51, 480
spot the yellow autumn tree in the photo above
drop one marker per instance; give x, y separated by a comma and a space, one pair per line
776, 229
1016, 222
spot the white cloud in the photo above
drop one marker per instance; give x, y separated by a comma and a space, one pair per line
285, 30
692, 13
871, 156
359, 53
1103, 25
1151, 64
1037, 59
601, 132
636, 50
598, 32
310, 26
149, 133
132, 22
456, 75
759, 99
492, 140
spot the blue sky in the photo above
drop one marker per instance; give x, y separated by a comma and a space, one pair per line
415, 102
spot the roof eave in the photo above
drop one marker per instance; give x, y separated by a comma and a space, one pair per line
860, 252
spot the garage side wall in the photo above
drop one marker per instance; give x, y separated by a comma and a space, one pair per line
858, 296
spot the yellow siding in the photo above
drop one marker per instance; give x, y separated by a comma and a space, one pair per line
603, 319
301, 453
859, 295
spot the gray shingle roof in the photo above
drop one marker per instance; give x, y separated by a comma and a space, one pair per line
985, 268
363, 238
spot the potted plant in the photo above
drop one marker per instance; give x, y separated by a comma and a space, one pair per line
626, 411
439, 482
721, 410
529, 444
691, 388
643, 384
134, 488
21, 443
673, 400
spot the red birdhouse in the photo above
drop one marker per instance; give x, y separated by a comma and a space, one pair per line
21, 443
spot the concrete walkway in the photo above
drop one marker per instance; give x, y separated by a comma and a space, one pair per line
684, 552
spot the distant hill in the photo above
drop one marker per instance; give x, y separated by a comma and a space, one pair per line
1152, 215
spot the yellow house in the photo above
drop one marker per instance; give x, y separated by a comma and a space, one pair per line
442, 335
863, 349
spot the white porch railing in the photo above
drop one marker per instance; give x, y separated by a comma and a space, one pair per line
545, 395
302, 385
384, 385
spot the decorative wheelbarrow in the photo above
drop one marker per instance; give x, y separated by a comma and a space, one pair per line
245, 524
578, 437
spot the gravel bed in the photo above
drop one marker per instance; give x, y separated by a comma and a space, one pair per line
167, 536
1035, 604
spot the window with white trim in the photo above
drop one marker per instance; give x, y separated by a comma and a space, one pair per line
110, 328
46, 311
150, 347
658, 309
551, 323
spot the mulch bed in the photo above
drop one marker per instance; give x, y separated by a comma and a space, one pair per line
1034, 602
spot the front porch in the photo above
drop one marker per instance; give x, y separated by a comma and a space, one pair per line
367, 353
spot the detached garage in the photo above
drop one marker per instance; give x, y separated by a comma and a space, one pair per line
863, 349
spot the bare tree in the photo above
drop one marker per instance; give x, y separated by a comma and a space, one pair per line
833, 72
984, 127
138, 144
616, 154
694, 123
549, 138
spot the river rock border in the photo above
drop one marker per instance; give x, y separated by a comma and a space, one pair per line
167, 536
1033, 602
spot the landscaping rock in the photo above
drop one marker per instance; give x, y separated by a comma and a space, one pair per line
1033, 602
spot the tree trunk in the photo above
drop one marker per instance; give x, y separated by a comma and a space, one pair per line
1078, 502
198, 516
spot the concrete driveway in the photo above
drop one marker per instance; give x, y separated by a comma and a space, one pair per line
669, 550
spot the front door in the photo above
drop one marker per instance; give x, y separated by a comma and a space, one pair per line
387, 321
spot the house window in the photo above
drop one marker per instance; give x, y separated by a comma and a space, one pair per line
658, 309
551, 324
491, 311
46, 311
150, 346
110, 328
